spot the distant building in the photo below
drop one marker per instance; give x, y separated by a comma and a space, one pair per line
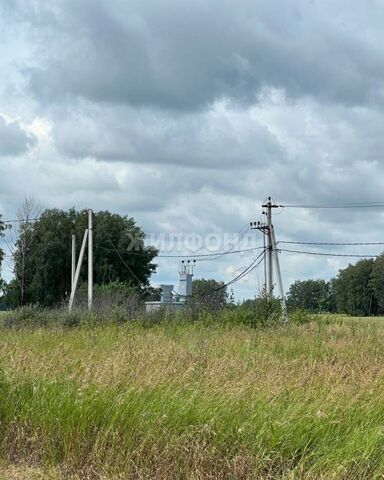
171, 299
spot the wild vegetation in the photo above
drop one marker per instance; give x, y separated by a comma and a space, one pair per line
42, 256
213, 398
218, 390
356, 290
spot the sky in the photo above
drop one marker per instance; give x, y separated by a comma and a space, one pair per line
187, 116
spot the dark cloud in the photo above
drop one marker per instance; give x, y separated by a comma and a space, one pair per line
179, 55
211, 139
14, 140
187, 115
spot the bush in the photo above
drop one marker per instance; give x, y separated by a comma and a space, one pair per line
300, 316
260, 312
111, 296
257, 313
29, 316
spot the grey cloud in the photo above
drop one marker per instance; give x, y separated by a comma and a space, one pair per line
187, 115
211, 139
14, 140
299, 152
179, 55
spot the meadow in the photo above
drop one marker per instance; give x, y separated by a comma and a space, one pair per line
193, 400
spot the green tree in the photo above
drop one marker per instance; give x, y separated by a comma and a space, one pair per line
119, 254
209, 293
2, 229
11, 294
26, 214
354, 293
260, 311
312, 295
377, 282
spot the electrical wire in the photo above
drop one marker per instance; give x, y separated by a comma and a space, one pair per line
249, 269
241, 234
244, 229
215, 256
329, 254
330, 243
127, 266
338, 205
227, 252
200, 255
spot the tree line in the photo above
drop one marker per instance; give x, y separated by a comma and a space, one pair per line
123, 264
41, 254
357, 290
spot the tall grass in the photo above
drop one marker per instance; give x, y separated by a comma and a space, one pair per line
194, 400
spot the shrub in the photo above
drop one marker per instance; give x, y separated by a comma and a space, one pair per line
300, 316
29, 316
111, 296
260, 312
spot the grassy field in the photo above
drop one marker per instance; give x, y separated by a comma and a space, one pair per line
194, 401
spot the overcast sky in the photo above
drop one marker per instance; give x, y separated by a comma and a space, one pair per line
187, 115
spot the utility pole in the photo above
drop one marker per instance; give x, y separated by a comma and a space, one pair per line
278, 274
90, 258
269, 252
73, 269
77, 273
264, 229
265, 263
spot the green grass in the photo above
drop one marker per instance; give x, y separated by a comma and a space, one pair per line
194, 400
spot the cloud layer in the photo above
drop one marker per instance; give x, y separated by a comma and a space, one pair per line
169, 54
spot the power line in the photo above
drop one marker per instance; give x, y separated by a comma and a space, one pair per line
127, 266
331, 243
241, 234
379, 204
200, 255
245, 272
329, 254
249, 269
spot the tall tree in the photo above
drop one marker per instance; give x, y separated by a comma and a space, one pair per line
313, 295
353, 289
119, 256
377, 282
209, 293
26, 215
